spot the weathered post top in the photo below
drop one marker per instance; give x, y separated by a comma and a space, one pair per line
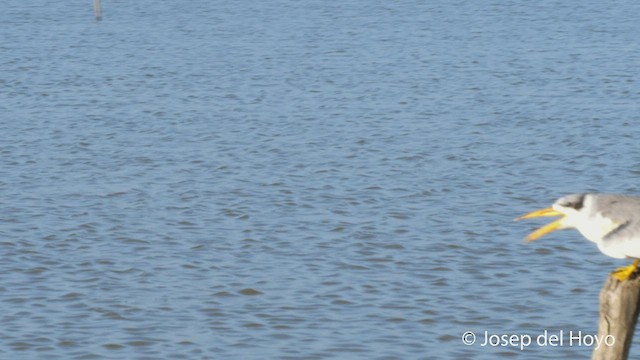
619, 305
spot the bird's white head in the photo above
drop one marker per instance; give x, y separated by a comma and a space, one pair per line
569, 208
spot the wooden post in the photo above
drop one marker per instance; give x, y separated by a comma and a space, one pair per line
619, 305
97, 9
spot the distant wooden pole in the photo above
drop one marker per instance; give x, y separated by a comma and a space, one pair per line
619, 305
97, 9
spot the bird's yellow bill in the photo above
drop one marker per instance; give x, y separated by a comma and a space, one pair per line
553, 226
540, 213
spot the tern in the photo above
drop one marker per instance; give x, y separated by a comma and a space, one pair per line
611, 221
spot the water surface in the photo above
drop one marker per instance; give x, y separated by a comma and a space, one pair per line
305, 179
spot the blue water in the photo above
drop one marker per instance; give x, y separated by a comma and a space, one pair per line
305, 179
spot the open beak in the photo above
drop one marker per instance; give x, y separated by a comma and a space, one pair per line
553, 226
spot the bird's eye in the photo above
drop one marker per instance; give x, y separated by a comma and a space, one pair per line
575, 203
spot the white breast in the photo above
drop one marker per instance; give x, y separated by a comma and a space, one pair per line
620, 250
596, 227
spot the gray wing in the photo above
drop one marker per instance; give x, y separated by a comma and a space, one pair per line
622, 209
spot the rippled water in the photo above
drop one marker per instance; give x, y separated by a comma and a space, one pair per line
305, 179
